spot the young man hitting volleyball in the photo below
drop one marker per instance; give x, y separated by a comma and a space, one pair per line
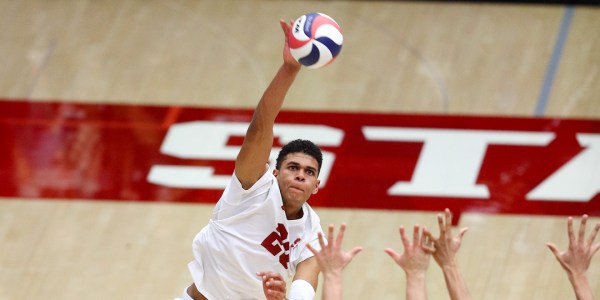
262, 221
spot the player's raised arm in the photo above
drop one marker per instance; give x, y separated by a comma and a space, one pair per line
254, 154
446, 254
577, 258
414, 261
332, 261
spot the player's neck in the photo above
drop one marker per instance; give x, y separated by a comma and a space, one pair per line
293, 213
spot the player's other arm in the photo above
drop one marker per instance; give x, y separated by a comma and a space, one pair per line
305, 280
254, 154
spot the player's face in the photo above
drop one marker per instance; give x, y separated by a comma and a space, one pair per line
297, 178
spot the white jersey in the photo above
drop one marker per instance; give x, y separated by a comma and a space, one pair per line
249, 233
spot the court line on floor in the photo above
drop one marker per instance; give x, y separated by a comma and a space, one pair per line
563, 33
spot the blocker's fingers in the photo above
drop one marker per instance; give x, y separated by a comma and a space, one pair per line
594, 232
428, 248
430, 236
355, 251
404, 238
321, 241
416, 236
392, 253
340, 236
448, 219
582, 224
554, 250
330, 234
462, 232
595, 248
570, 232
440, 220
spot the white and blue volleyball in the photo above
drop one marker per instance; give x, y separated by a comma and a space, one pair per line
315, 40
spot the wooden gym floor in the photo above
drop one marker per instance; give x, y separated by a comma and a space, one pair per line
398, 57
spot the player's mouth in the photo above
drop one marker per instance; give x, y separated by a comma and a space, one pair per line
296, 189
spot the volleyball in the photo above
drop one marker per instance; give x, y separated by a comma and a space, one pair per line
315, 40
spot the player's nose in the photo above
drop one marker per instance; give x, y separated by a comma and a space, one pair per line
300, 176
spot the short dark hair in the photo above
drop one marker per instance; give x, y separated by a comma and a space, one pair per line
299, 145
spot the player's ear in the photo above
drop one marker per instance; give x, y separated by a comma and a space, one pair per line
316, 190
275, 172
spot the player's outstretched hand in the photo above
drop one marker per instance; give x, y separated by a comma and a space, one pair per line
332, 261
417, 254
288, 59
273, 285
445, 255
414, 261
578, 256
446, 245
331, 258
576, 259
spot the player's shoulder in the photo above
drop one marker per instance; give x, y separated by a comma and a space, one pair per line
311, 214
265, 179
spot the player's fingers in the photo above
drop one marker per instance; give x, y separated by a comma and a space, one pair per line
554, 250
416, 236
404, 238
448, 216
594, 249
321, 241
440, 220
428, 248
276, 294
277, 285
426, 241
582, 224
355, 251
276, 276
430, 236
593, 234
424, 237
392, 253
330, 234
570, 232
340, 236
432, 240
330, 229
267, 276
426, 232
462, 232
284, 26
